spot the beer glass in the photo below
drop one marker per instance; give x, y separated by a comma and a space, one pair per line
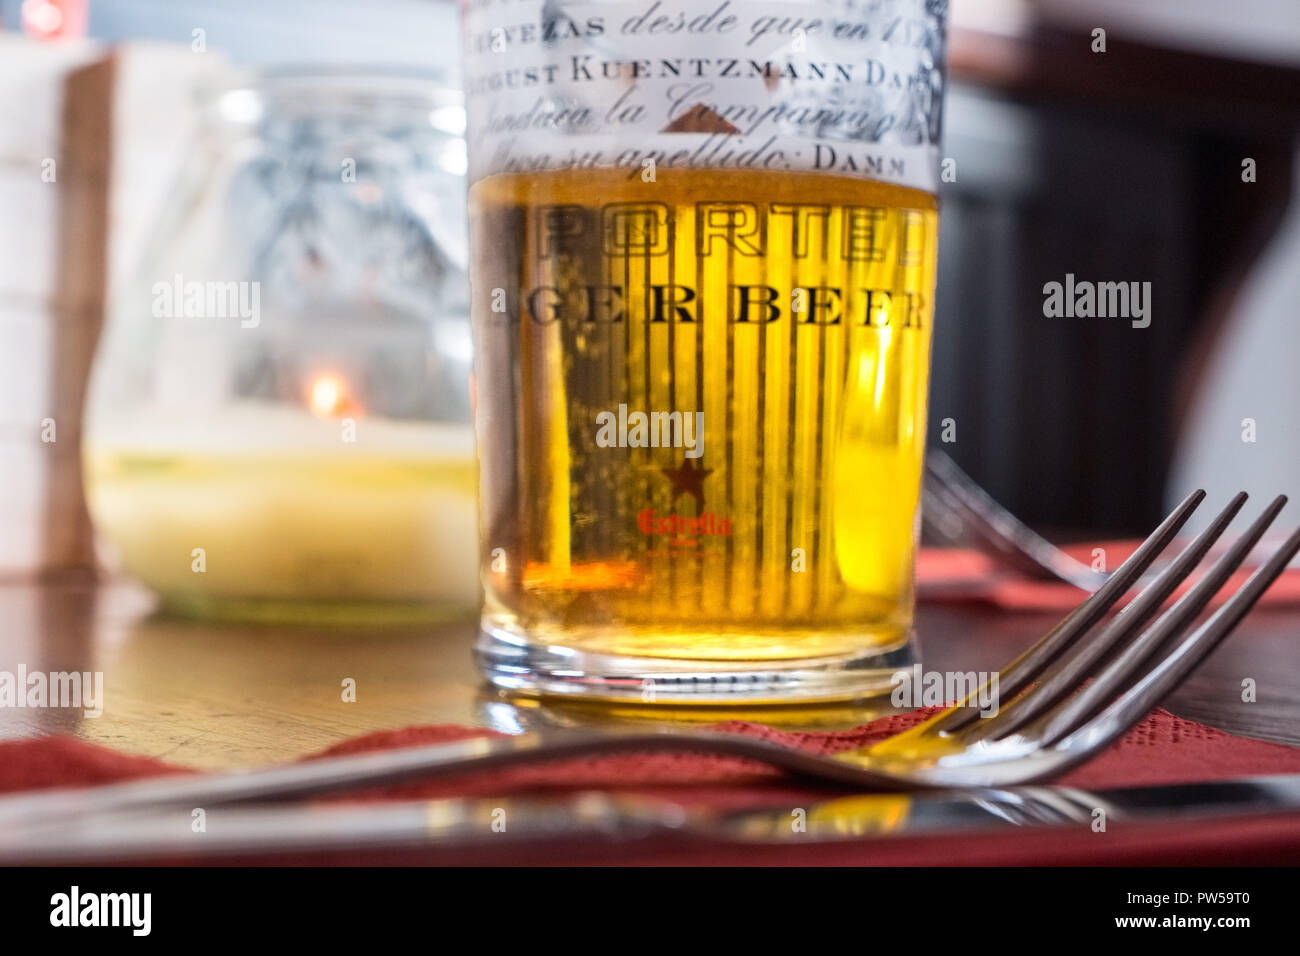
702, 272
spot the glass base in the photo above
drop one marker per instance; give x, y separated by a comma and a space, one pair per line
512, 662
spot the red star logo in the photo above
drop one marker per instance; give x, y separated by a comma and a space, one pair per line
688, 479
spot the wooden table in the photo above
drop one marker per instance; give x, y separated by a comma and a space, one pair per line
215, 696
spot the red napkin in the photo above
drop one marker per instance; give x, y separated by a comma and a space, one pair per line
966, 575
1162, 749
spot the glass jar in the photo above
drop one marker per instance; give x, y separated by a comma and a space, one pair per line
278, 423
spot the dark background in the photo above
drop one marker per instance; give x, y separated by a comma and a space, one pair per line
1117, 167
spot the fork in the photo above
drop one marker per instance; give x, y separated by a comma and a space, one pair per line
953, 503
1072, 693
959, 511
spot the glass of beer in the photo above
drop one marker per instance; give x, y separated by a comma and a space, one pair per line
702, 243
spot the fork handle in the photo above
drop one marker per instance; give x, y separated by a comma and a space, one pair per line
427, 762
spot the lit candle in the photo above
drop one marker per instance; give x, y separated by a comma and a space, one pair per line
271, 503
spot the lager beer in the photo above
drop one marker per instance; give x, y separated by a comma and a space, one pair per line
701, 369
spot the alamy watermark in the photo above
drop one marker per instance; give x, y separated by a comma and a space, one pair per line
1083, 299
637, 429
181, 299
71, 689
75, 908
917, 688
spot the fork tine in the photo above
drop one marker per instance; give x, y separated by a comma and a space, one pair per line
1147, 693
1127, 666
1025, 668
950, 492
1068, 673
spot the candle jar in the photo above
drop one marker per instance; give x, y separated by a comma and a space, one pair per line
278, 423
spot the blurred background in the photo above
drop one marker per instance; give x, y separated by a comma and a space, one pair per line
1127, 165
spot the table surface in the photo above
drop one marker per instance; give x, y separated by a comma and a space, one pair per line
214, 695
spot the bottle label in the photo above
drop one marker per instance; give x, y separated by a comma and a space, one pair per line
846, 87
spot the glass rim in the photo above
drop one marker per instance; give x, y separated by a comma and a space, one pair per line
241, 96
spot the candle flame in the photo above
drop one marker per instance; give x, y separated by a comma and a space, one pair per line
327, 396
